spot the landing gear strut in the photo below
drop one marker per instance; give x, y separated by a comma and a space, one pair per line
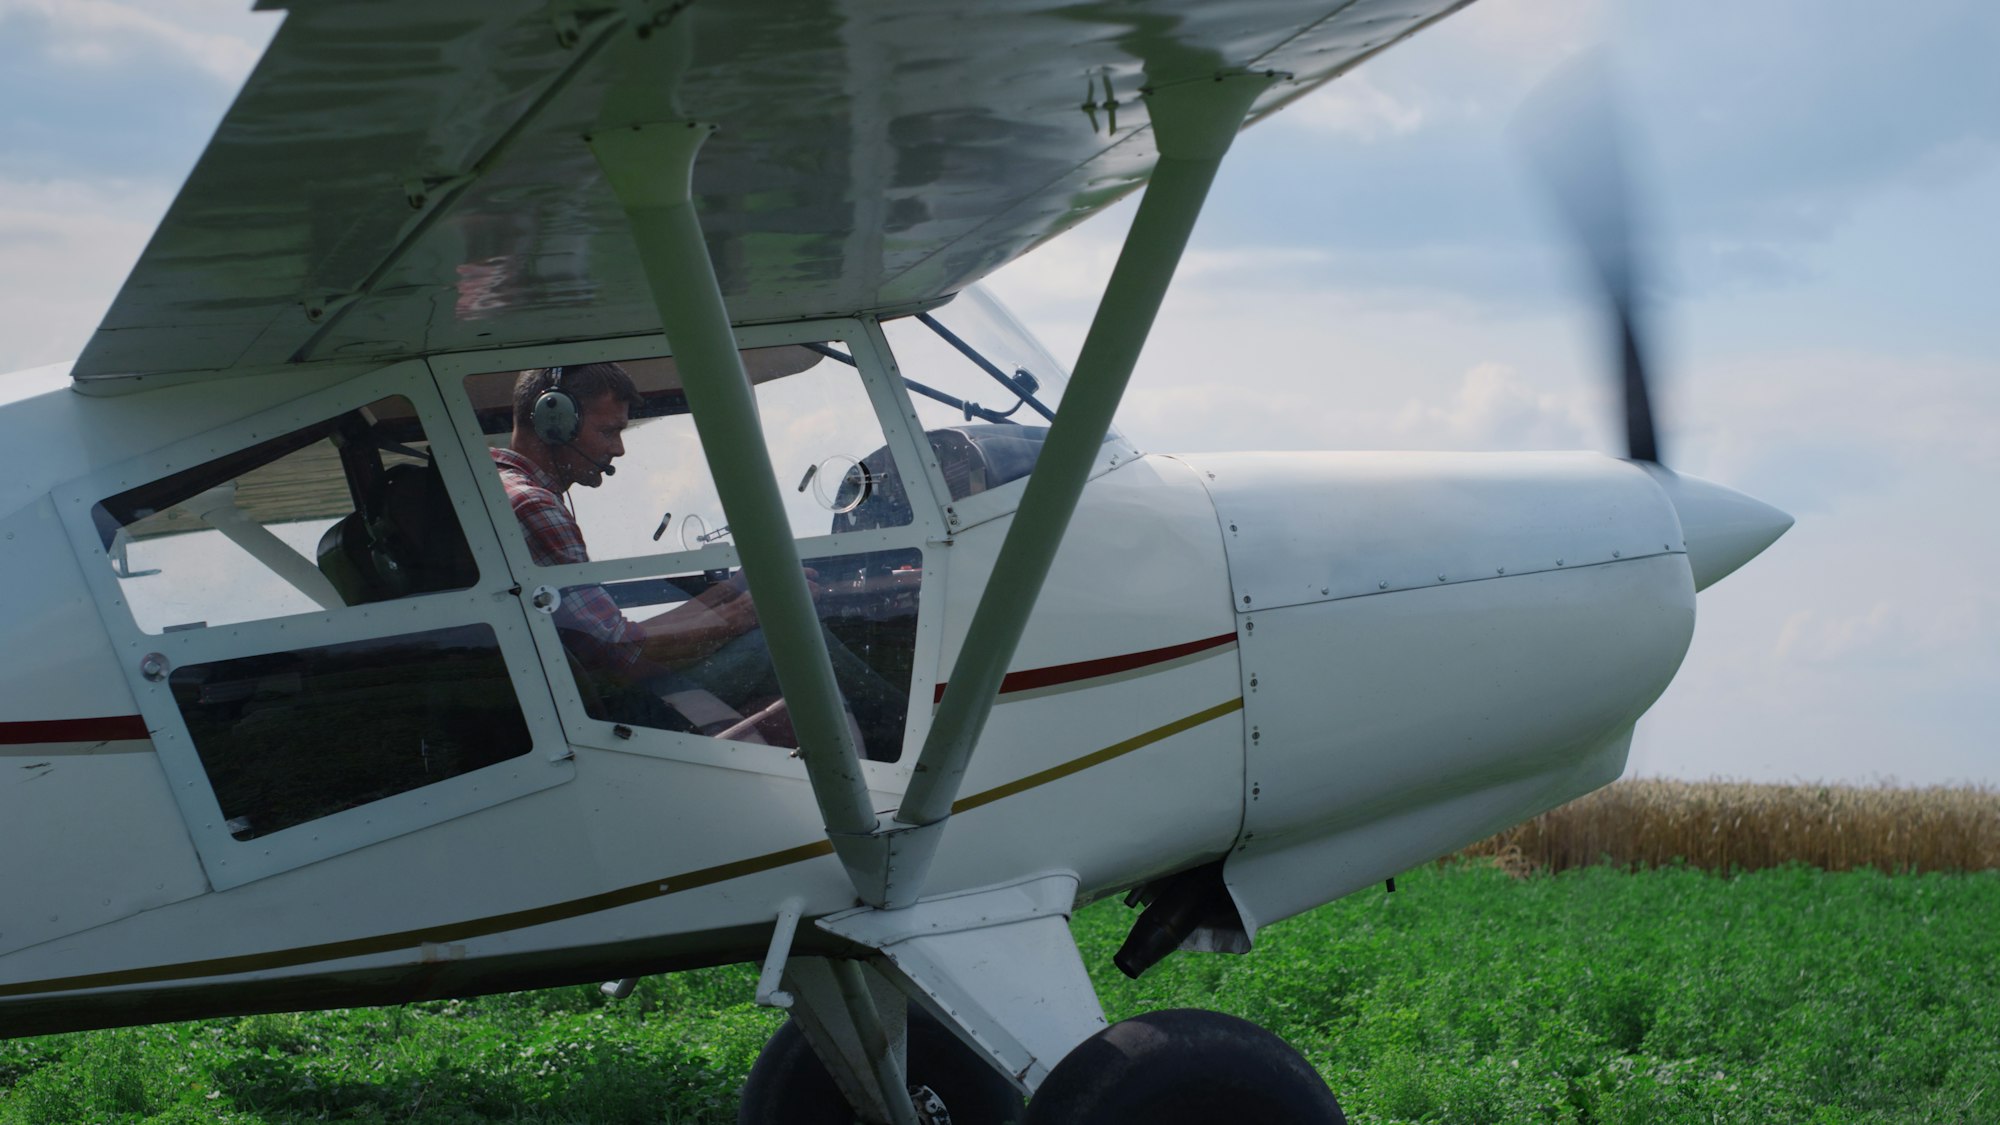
949, 1083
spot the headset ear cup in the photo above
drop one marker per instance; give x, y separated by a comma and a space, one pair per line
555, 418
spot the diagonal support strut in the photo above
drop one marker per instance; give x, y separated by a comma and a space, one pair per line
1193, 123
650, 167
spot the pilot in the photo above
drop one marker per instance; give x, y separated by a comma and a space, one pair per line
705, 659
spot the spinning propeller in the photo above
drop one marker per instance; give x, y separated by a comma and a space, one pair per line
1573, 135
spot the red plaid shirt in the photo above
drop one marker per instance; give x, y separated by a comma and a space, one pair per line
554, 539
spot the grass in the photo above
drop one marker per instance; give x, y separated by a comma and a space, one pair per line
1595, 995
1728, 826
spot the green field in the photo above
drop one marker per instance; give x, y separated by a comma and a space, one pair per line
1787, 995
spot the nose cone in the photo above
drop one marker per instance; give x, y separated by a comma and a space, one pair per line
1724, 528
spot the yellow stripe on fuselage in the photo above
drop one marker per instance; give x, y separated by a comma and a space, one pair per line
591, 904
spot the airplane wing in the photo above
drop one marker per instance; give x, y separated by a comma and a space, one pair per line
398, 179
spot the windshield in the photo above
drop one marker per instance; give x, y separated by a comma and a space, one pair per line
970, 361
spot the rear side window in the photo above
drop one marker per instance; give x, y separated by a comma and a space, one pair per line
340, 513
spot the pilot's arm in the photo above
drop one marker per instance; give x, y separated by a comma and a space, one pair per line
695, 628
692, 630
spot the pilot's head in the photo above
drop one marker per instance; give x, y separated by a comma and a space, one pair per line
571, 420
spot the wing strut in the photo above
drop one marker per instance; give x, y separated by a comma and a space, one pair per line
648, 160
650, 167
1193, 123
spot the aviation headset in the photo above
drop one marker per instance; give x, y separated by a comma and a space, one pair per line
555, 415
558, 421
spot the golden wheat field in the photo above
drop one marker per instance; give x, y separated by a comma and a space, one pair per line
1725, 825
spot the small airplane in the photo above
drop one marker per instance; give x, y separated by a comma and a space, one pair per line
552, 504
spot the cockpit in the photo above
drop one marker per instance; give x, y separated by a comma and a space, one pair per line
887, 438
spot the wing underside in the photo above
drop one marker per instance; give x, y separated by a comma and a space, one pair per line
409, 179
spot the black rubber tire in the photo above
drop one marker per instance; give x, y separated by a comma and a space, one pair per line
790, 1086
1184, 1067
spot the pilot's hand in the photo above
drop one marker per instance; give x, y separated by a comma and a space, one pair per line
729, 606
730, 603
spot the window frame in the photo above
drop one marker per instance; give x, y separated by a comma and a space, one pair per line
227, 861
927, 531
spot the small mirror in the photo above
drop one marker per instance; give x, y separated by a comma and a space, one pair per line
849, 480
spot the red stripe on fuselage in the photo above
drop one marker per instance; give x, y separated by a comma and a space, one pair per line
110, 728
1028, 679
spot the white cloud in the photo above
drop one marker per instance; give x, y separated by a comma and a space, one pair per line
1852, 420
1495, 408
1207, 264
69, 241
1817, 636
68, 245
1353, 106
1885, 632
1520, 35
102, 33
1067, 273
1253, 349
1473, 67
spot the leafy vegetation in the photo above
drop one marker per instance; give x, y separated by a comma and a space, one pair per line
1592, 996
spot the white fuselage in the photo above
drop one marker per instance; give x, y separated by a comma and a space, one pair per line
1327, 667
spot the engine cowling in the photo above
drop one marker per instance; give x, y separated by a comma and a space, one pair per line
1435, 646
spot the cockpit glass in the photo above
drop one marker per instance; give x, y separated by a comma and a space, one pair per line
343, 512
985, 389
820, 430
682, 649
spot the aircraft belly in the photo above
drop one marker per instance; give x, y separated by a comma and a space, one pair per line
349, 986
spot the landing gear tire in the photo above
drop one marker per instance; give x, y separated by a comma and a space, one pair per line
790, 1086
1184, 1067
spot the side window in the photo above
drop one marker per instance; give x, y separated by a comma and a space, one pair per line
820, 433
683, 651
347, 511
343, 512
691, 665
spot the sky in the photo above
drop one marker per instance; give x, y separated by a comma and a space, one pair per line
1378, 269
